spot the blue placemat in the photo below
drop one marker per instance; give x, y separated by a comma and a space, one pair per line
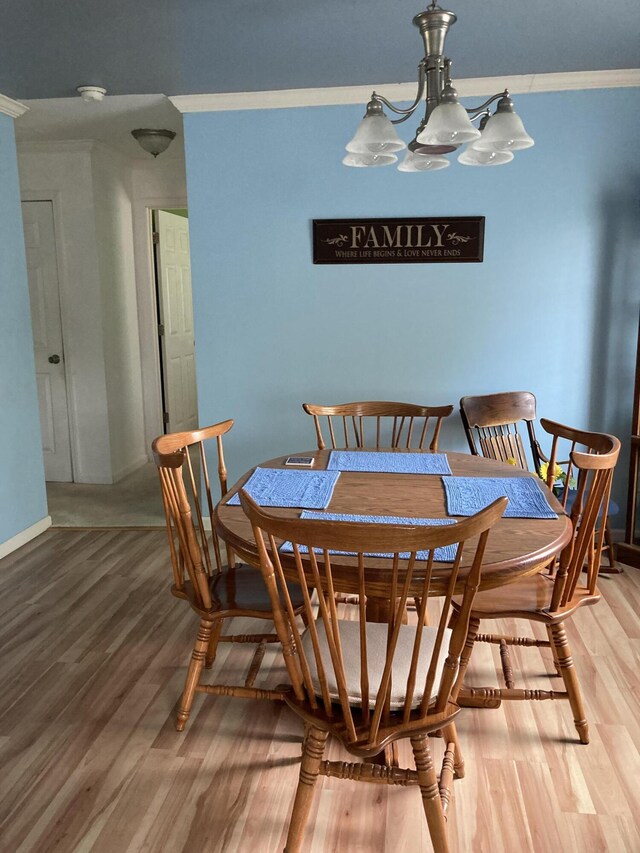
446, 554
383, 462
281, 487
468, 495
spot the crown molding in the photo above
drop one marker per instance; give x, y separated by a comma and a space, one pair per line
12, 108
470, 87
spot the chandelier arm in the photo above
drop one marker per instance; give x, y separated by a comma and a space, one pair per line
409, 111
482, 114
475, 111
404, 118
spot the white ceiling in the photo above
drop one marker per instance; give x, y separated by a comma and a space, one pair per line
109, 122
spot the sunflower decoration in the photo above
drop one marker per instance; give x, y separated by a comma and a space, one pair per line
560, 475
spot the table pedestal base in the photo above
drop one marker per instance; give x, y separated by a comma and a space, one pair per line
377, 610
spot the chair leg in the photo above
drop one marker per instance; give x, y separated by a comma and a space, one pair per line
213, 644
465, 657
554, 653
570, 678
428, 782
193, 674
450, 735
312, 752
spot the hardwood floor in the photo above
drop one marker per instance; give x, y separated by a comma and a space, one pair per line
94, 650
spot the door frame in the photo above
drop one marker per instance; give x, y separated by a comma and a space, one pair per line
66, 298
148, 310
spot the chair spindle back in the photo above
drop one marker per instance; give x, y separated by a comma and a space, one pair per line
378, 425
368, 709
491, 424
182, 466
592, 458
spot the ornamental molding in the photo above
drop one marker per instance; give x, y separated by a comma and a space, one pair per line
521, 84
12, 108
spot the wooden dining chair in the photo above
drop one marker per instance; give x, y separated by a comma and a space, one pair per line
495, 424
492, 425
378, 425
551, 600
371, 684
214, 591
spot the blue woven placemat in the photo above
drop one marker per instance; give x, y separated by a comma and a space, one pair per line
468, 495
446, 554
383, 462
281, 487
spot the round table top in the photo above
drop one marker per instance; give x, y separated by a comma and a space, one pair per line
516, 547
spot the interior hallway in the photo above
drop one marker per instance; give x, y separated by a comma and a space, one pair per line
133, 502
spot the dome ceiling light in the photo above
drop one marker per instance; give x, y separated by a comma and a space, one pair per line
153, 141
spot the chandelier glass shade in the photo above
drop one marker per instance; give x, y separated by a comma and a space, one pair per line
446, 125
360, 160
471, 156
504, 131
375, 134
416, 162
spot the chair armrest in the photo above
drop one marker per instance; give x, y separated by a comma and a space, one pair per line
545, 458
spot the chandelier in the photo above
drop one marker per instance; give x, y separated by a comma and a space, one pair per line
446, 125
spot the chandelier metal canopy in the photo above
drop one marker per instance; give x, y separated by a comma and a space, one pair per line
446, 125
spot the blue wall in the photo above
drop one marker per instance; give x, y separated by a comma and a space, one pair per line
553, 308
22, 490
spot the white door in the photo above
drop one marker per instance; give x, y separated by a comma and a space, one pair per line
44, 296
176, 319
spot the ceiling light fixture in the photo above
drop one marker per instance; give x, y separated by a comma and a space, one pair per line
153, 141
91, 94
446, 125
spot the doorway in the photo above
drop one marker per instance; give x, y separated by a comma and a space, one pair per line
135, 500
172, 263
48, 344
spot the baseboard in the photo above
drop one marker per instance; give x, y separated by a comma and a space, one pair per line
25, 536
628, 554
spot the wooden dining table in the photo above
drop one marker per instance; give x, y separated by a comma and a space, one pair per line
516, 547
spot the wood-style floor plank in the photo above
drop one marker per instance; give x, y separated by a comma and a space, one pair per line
94, 650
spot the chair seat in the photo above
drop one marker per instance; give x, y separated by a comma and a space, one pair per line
241, 588
376, 655
527, 598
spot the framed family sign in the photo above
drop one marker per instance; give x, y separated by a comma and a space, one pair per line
433, 240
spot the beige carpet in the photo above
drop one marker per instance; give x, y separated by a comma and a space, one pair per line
133, 502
